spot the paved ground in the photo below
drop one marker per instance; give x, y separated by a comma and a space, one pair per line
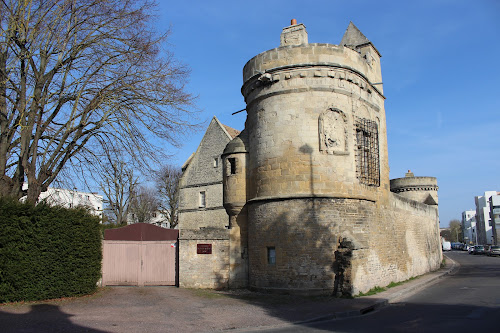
170, 309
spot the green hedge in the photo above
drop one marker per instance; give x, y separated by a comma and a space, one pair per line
47, 252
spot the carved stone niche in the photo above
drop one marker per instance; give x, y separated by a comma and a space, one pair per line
333, 132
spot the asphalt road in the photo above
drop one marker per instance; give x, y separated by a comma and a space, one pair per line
466, 301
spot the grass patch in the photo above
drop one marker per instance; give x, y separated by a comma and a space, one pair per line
443, 263
377, 289
373, 291
207, 293
395, 284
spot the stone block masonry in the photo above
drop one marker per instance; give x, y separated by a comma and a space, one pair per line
306, 183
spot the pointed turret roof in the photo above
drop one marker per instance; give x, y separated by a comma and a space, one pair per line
353, 38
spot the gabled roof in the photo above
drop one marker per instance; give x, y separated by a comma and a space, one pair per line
230, 132
353, 38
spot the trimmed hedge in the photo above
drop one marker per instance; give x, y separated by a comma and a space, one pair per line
47, 252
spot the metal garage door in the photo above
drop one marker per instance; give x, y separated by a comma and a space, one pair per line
140, 255
139, 263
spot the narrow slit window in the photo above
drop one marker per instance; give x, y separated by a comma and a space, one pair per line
271, 255
232, 166
216, 162
203, 202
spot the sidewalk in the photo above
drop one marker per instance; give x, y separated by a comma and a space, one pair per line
170, 309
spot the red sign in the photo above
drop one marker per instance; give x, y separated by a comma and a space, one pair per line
204, 248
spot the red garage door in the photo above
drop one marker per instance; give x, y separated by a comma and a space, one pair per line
138, 261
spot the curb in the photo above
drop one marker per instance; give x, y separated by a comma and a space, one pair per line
391, 297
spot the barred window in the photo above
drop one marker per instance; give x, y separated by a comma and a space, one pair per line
367, 152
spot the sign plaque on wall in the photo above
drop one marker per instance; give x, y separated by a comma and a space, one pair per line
204, 248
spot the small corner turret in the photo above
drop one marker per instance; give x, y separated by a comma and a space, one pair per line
354, 39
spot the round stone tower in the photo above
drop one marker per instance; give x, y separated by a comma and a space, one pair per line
421, 189
317, 164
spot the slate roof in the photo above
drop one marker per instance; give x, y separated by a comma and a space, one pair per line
231, 131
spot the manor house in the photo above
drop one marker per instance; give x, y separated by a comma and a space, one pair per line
300, 201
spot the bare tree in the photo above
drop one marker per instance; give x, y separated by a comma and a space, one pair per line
455, 228
143, 204
75, 74
117, 183
167, 184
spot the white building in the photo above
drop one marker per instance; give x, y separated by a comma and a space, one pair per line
72, 198
469, 226
495, 217
157, 218
483, 220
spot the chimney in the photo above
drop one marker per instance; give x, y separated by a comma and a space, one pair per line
295, 34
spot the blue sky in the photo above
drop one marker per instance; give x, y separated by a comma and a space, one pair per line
440, 67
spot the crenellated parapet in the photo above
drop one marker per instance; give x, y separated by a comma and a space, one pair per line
421, 189
309, 76
415, 188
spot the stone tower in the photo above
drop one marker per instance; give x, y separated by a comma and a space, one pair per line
421, 189
306, 184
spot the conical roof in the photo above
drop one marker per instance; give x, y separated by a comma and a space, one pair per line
353, 38
237, 145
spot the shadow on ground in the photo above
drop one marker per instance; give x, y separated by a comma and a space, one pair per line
421, 317
41, 318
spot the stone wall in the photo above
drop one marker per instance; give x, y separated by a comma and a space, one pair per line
404, 242
306, 235
204, 270
340, 246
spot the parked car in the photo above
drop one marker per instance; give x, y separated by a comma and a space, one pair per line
446, 246
479, 249
494, 250
471, 249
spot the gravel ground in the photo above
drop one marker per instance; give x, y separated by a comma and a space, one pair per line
171, 309
166, 309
